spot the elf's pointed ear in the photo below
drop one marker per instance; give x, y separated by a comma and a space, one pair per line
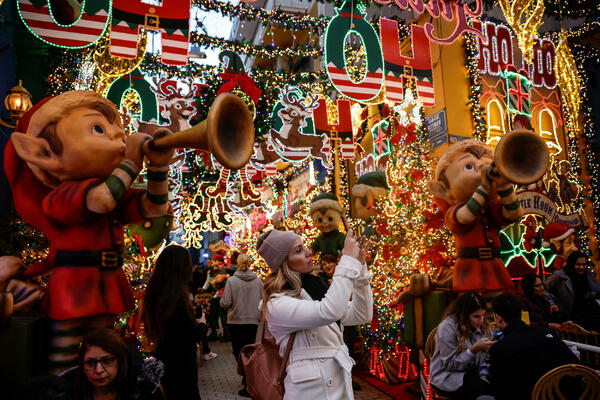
36, 150
438, 189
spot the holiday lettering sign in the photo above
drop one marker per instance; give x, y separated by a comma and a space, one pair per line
171, 18
384, 61
496, 53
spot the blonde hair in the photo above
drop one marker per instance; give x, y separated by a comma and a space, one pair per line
243, 262
283, 281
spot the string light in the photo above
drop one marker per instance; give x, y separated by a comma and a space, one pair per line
531, 11
569, 83
265, 17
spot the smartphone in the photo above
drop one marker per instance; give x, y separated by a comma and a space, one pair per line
498, 335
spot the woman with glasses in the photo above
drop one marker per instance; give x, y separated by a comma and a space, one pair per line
109, 370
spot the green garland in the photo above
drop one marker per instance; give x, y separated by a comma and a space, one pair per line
293, 22
301, 50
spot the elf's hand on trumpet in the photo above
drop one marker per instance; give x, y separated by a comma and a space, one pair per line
155, 156
490, 174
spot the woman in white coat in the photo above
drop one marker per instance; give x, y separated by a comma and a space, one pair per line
319, 366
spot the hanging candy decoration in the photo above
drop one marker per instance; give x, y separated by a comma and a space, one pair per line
526, 30
90, 23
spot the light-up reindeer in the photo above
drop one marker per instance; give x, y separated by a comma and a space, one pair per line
294, 115
177, 108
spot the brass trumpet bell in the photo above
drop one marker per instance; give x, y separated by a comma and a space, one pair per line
522, 157
227, 133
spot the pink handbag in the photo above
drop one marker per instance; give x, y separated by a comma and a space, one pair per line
264, 368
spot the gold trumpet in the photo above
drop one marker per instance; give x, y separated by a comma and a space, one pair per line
227, 133
521, 156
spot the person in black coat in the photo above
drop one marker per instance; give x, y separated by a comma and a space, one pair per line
169, 322
522, 354
542, 313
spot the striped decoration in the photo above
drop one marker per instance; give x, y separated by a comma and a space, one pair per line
347, 148
518, 93
394, 89
271, 170
124, 42
425, 92
365, 90
83, 33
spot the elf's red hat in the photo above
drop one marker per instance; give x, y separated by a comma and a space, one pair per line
557, 231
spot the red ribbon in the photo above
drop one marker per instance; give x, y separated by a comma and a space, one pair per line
497, 91
551, 101
247, 84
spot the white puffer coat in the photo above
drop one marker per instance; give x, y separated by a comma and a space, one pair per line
319, 366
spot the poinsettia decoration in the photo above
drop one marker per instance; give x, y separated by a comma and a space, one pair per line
433, 220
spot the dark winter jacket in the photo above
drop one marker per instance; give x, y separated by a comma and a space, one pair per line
521, 358
178, 353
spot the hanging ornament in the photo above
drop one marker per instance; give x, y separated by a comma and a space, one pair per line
569, 83
524, 17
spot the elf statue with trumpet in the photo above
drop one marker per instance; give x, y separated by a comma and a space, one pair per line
70, 168
474, 186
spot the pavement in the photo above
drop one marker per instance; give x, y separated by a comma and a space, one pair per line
218, 378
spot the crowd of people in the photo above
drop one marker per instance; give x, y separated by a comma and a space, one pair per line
184, 305
472, 362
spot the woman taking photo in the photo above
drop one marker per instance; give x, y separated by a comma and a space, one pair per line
458, 366
108, 370
242, 294
169, 322
319, 365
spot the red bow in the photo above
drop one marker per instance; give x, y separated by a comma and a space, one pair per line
406, 132
434, 255
497, 91
247, 84
416, 175
551, 102
383, 228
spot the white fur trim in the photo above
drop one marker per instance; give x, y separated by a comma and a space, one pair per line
559, 238
361, 190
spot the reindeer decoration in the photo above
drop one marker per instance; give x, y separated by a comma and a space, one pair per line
178, 109
290, 138
264, 154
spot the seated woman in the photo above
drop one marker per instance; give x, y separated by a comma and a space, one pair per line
576, 291
542, 313
319, 365
458, 366
108, 370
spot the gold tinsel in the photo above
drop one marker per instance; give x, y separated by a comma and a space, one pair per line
524, 17
569, 82
118, 66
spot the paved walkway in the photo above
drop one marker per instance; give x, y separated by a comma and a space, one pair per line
218, 378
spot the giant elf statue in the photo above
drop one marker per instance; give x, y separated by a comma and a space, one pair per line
70, 168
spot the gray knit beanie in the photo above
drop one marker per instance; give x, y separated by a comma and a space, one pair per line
274, 246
